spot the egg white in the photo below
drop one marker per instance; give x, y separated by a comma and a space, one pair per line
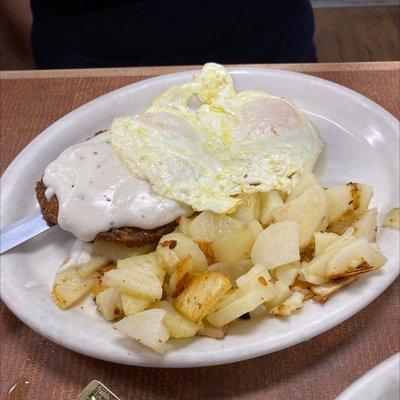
233, 143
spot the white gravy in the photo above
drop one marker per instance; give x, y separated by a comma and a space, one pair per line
97, 192
81, 254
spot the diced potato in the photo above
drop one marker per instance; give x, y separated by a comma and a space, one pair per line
93, 265
207, 226
270, 201
315, 271
282, 292
277, 245
326, 246
362, 198
201, 294
352, 259
340, 226
287, 273
255, 227
392, 219
132, 305
233, 246
378, 260
366, 225
344, 239
292, 303
179, 278
178, 326
323, 291
304, 183
184, 223
250, 208
176, 247
339, 201
69, 287
322, 240
234, 294
309, 210
135, 279
147, 327
346, 201
232, 269
213, 332
117, 251
109, 304
256, 272
97, 288
242, 305
206, 248
145, 262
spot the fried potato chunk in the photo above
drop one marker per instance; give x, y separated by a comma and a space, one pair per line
69, 287
392, 219
201, 294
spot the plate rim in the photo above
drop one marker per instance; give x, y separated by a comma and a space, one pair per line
369, 377
226, 358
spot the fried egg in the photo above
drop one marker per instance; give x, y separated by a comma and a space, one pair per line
233, 143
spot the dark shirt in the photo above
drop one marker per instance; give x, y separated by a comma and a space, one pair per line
90, 33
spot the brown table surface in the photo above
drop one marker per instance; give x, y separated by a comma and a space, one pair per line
318, 369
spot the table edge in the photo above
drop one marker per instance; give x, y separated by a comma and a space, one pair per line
158, 70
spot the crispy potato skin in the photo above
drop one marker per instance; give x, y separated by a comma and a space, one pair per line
361, 268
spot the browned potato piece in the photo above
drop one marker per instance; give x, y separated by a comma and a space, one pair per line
366, 225
109, 304
321, 292
291, 304
69, 287
182, 274
201, 294
352, 259
345, 202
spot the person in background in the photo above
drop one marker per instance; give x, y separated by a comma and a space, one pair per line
117, 33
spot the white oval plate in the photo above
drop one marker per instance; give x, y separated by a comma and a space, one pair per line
360, 141
380, 383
